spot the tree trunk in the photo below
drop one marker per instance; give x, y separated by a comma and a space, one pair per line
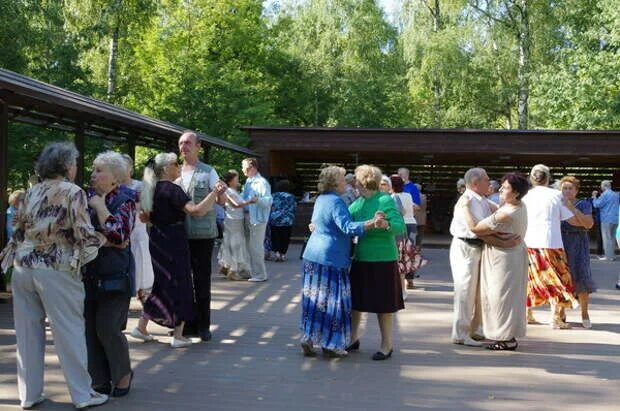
436, 84
524, 65
112, 64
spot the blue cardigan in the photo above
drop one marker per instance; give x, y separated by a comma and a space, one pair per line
330, 242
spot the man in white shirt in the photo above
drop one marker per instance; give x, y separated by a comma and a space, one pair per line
465, 255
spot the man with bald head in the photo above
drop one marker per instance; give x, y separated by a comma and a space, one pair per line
198, 180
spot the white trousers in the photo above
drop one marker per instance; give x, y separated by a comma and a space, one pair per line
60, 296
465, 265
255, 237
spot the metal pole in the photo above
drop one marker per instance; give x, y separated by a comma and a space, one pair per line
4, 168
79, 144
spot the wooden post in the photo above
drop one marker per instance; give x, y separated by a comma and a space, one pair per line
4, 168
206, 150
131, 146
79, 144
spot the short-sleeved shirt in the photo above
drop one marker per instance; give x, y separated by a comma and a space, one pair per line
169, 201
233, 213
545, 212
480, 209
407, 204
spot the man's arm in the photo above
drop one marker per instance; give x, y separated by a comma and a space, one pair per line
502, 241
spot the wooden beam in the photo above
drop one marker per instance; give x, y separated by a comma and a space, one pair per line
79, 144
4, 169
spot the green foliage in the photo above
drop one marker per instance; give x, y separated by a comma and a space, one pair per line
218, 65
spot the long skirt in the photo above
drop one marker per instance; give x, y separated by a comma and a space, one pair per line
233, 253
376, 287
172, 298
325, 306
503, 283
142, 256
549, 281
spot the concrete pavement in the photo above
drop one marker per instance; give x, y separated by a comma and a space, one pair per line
254, 360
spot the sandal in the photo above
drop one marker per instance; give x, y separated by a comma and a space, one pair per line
308, 349
327, 353
509, 345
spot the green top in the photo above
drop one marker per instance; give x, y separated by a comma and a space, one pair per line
377, 244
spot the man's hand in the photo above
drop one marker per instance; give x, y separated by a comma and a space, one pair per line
253, 200
594, 194
144, 217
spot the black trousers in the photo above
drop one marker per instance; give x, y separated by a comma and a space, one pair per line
200, 253
280, 238
105, 318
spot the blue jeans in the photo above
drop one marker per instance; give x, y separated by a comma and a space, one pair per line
608, 231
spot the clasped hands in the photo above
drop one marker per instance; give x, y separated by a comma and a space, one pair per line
380, 222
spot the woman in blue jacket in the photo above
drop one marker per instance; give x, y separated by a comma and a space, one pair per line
326, 290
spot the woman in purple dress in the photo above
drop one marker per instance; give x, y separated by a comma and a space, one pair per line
577, 244
170, 302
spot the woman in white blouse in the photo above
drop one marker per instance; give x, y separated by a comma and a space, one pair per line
549, 279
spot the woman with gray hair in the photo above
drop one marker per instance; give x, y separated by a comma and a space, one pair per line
549, 279
53, 238
170, 303
109, 279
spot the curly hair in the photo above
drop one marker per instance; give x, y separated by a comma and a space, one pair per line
56, 159
572, 180
368, 176
328, 178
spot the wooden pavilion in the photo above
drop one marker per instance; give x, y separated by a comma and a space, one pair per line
437, 157
25, 100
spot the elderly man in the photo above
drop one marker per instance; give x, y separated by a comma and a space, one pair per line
409, 187
465, 255
258, 191
198, 180
607, 203
494, 191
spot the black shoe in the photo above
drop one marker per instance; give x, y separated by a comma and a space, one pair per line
205, 335
617, 286
354, 346
121, 392
103, 388
379, 356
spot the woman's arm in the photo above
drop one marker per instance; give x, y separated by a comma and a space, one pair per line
480, 228
235, 203
578, 219
115, 227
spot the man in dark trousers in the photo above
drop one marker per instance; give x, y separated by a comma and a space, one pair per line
198, 180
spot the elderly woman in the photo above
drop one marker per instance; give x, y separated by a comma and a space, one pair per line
326, 291
53, 238
233, 256
281, 219
16, 198
109, 279
577, 244
408, 259
503, 271
376, 286
170, 303
549, 279
139, 239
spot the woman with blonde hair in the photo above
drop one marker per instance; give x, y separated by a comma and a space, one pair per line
170, 303
326, 290
376, 286
577, 244
549, 279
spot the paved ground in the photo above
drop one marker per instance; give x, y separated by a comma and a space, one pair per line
254, 360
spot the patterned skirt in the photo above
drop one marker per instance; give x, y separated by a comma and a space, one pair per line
549, 279
325, 306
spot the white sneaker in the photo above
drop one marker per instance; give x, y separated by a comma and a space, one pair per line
404, 295
606, 259
31, 404
180, 343
256, 280
137, 334
468, 341
586, 324
96, 399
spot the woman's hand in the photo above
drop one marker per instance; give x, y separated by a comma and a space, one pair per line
144, 217
220, 187
464, 201
96, 202
311, 227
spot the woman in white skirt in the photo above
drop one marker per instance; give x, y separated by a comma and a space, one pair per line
233, 256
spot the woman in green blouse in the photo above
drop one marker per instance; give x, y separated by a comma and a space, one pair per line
375, 282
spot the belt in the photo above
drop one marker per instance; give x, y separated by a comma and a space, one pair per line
474, 242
